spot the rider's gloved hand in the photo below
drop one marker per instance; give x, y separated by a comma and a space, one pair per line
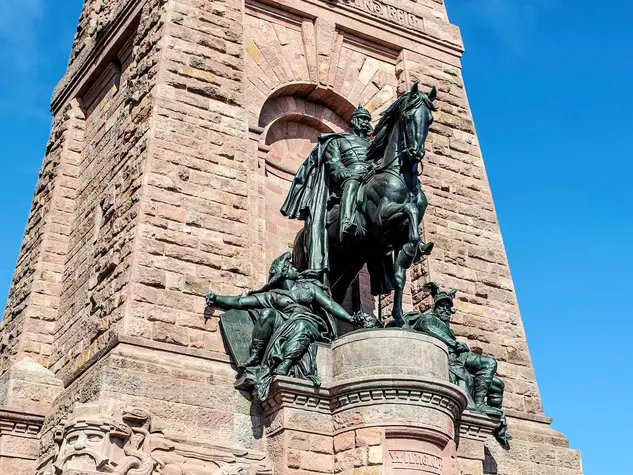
344, 174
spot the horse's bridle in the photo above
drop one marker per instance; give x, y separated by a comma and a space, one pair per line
411, 151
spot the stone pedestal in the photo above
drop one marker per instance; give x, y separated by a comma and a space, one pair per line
475, 434
384, 406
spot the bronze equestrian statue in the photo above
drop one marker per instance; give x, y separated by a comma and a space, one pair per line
291, 313
331, 174
362, 202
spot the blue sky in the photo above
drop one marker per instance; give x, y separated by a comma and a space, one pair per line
549, 83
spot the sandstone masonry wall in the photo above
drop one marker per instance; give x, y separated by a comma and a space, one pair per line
118, 107
194, 230
470, 255
176, 133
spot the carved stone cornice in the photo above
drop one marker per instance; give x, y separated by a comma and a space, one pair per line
444, 396
381, 15
528, 417
476, 426
360, 391
337, 397
20, 423
196, 456
291, 392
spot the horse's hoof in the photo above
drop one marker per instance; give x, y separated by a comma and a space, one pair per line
426, 249
398, 322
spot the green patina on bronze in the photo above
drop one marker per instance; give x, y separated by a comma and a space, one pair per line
362, 202
237, 327
291, 314
332, 173
474, 373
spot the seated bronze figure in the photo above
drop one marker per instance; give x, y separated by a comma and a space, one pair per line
292, 312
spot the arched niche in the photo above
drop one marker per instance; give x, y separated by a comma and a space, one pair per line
289, 127
332, 106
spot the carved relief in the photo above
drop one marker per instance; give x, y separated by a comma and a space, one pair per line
407, 458
419, 451
177, 455
387, 12
103, 438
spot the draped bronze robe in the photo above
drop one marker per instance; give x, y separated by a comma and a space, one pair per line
307, 201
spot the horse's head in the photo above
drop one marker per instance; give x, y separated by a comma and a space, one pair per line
403, 128
417, 113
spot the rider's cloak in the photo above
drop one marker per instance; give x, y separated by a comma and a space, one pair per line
307, 201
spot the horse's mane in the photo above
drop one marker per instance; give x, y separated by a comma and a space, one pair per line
388, 119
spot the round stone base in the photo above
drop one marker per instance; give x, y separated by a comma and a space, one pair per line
385, 403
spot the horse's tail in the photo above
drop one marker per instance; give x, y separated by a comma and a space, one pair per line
299, 252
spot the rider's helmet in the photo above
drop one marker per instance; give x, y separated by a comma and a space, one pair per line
361, 112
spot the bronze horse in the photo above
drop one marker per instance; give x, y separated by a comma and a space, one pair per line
391, 205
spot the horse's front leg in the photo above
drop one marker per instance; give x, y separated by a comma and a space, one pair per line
404, 260
421, 204
413, 218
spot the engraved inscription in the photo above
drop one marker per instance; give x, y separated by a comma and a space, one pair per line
415, 458
387, 12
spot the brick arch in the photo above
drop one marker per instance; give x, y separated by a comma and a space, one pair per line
309, 99
280, 110
286, 121
332, 110
287, 55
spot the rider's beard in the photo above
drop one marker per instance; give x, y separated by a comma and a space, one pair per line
361, 129
443, 315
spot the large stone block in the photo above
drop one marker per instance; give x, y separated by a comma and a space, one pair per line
393, 352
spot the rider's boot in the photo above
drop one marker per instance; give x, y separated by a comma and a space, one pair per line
348, 209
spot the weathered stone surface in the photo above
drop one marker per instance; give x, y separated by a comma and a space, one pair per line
362, 424
175, 133
407, 353
28, 386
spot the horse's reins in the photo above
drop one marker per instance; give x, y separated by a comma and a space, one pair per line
385, 168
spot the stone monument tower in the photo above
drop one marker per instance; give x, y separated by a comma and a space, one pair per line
178, 129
